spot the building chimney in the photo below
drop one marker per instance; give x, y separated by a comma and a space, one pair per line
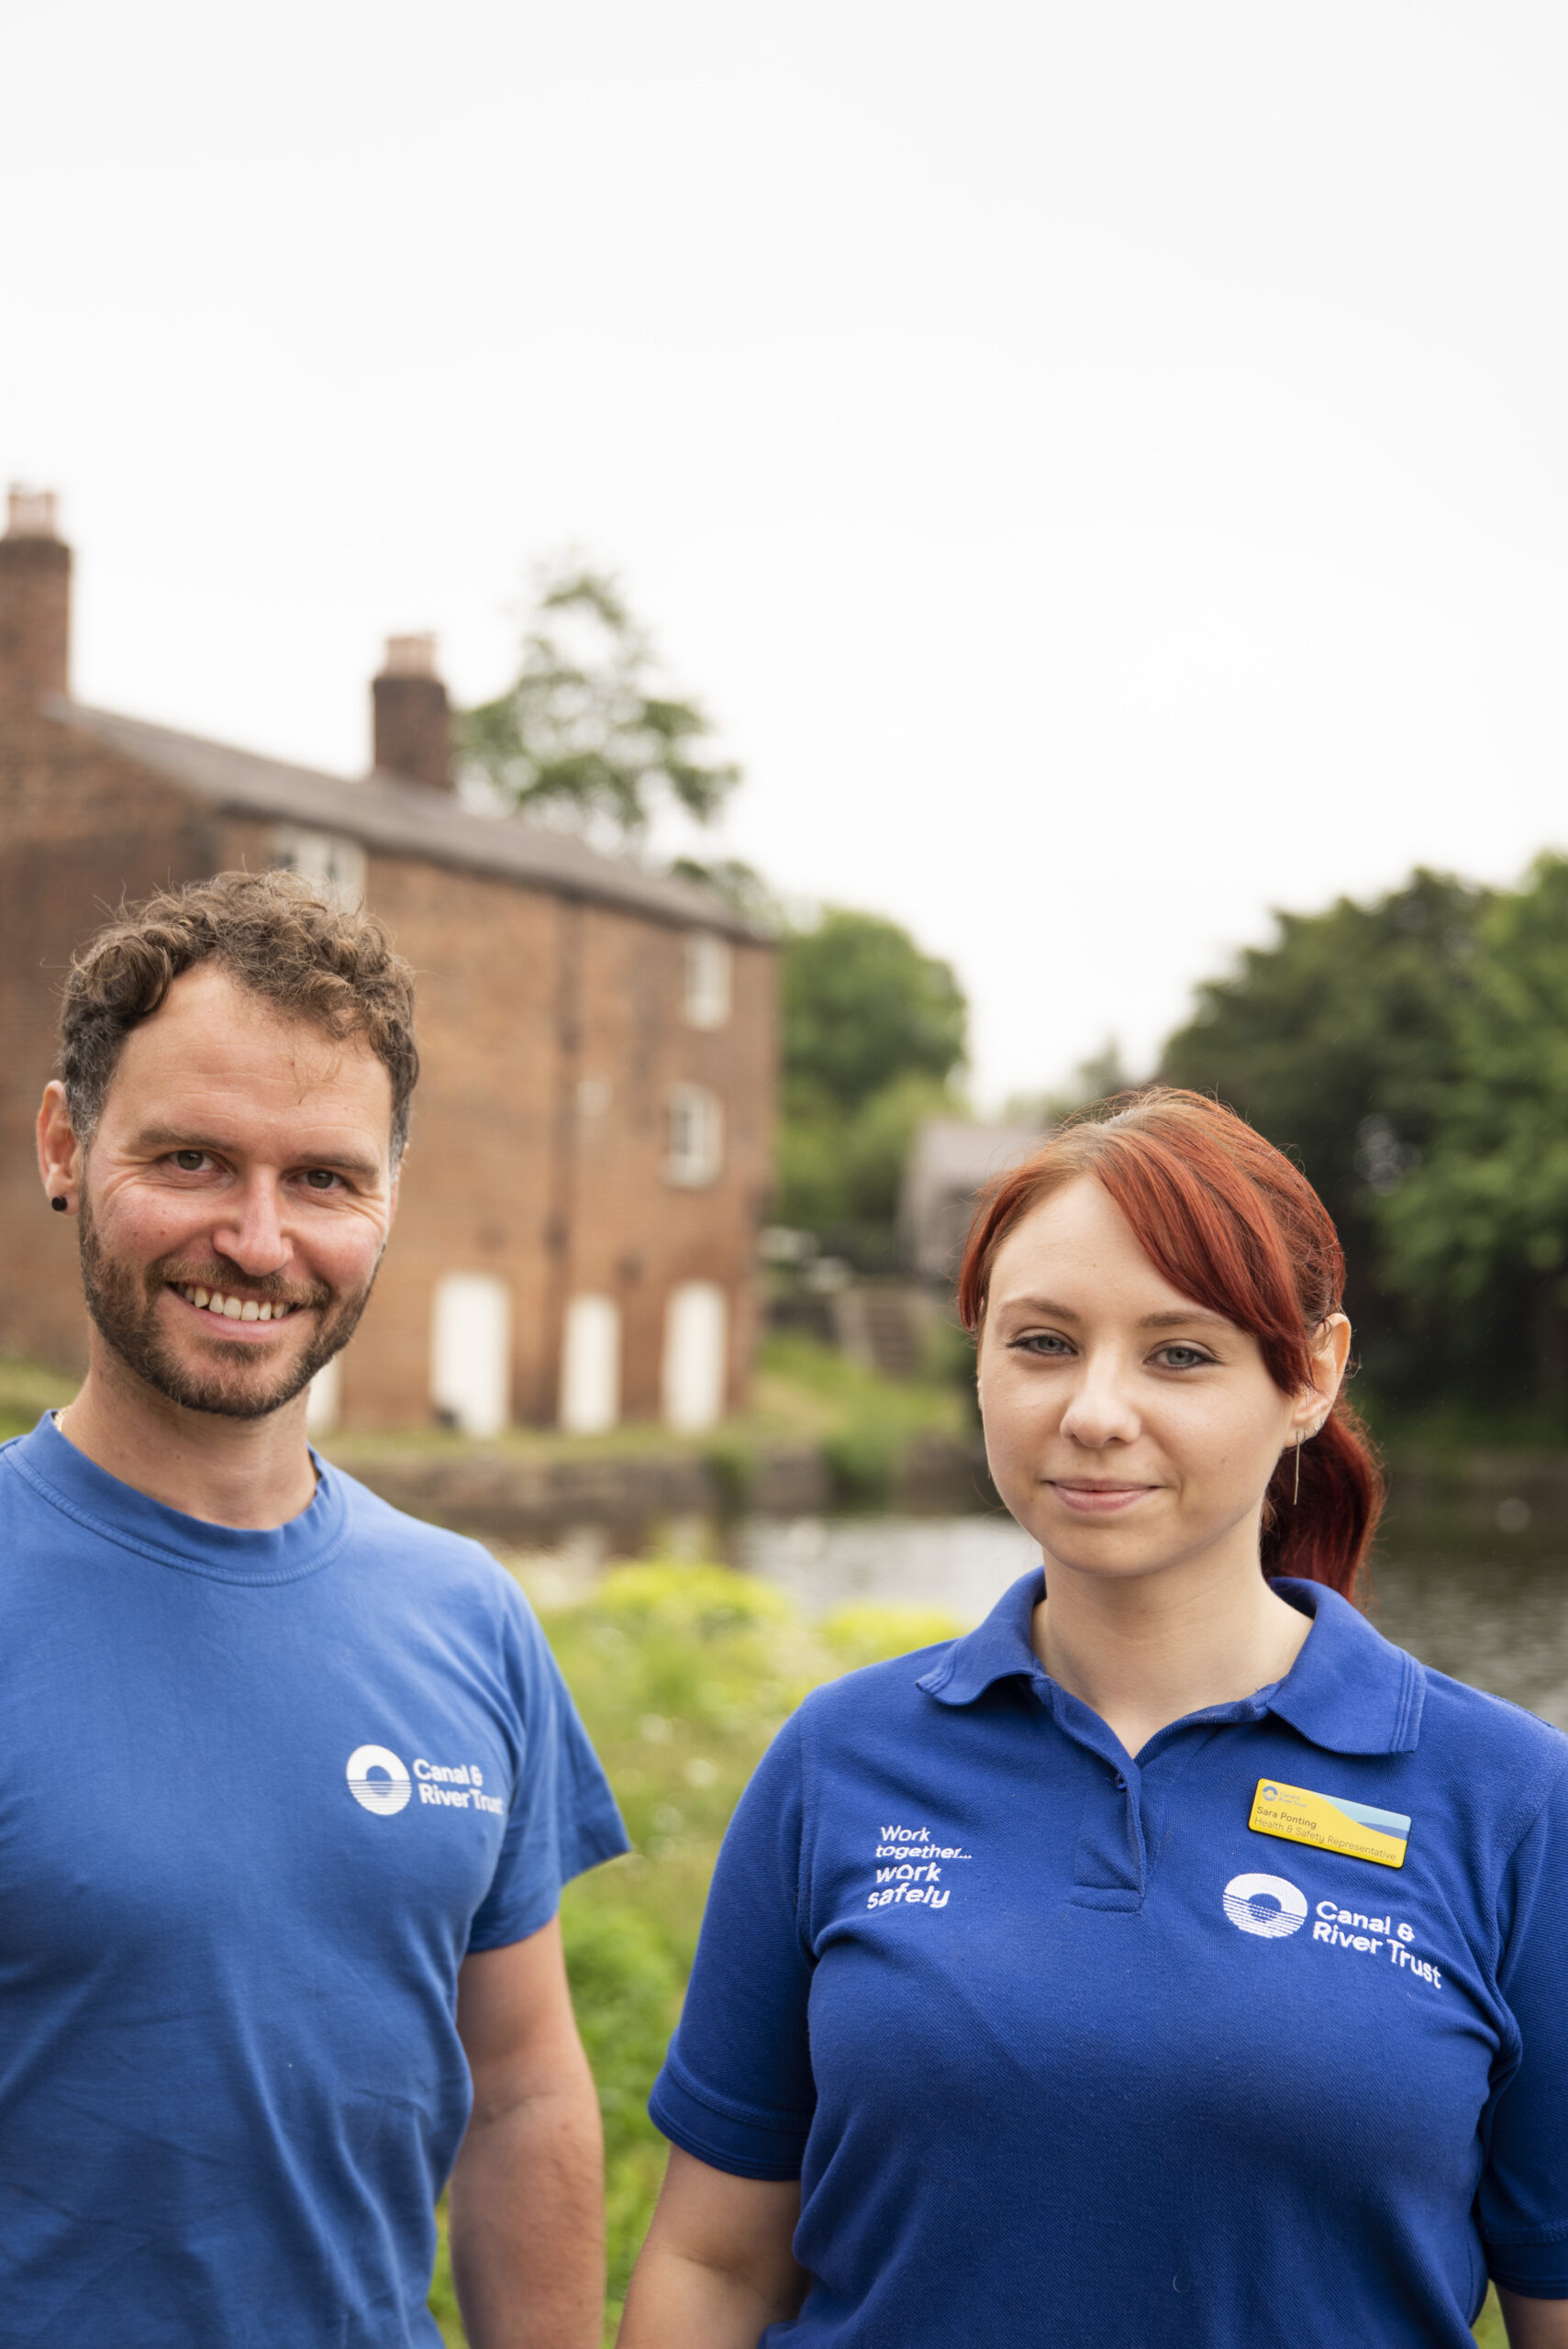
35, 604
413, 721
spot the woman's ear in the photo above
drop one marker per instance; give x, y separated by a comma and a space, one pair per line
1331, 1352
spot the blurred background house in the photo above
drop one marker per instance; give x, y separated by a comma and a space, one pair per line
593, 1133
950, 1163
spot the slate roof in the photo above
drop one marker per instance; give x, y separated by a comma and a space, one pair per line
397, 817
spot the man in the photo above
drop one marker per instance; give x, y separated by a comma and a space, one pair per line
289, 1783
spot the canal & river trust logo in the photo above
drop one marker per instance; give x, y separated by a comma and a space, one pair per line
1268, 1906
379, 1781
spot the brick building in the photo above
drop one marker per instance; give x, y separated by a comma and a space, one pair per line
593, 1129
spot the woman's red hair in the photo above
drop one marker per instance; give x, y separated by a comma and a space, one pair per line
1233, 1224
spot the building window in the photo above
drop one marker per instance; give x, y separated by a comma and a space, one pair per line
471, 1353
332, 859
590, 1366
696, 1136
708, 962
696, 1360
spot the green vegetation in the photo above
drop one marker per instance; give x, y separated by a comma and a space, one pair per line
27, 1391
874, 1035
1412, 1054
683, 1674
585, 730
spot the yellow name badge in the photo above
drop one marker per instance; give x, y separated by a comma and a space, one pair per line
1331, 1823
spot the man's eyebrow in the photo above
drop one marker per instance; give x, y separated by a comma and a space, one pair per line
336, 1161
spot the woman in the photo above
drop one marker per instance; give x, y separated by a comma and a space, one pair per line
1171, 1961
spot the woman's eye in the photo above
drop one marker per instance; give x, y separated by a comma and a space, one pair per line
1041, 1341
190, 1162
1181, 1357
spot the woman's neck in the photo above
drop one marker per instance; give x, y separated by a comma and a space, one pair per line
1150, 1649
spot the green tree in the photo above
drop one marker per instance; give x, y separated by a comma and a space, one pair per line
583, 730
1485, 1214
1341, 1042
875, 1034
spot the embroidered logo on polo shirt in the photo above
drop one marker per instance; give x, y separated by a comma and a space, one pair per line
1269, 1906
1330, 1823
378, 1780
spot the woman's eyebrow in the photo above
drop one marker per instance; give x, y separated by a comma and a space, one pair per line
1184, 1319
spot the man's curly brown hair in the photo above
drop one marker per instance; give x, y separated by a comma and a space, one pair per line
295, 946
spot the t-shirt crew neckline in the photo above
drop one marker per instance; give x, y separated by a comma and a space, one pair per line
83, 1491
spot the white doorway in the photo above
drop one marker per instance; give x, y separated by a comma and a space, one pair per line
590, 1366
471, 1353
695, 1355
324, 1399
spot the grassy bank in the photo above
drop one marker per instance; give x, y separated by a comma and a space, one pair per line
682, 1675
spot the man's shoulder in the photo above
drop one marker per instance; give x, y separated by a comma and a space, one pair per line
445, 1562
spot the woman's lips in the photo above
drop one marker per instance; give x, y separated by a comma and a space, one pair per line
1098, 1501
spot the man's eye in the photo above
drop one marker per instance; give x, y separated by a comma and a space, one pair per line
190, 1162
320, 1178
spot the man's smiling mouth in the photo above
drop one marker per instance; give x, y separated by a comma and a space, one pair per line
228, 1308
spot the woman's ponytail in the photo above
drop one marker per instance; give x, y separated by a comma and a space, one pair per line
1323, 1533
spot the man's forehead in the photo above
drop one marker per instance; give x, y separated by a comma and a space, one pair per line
217, 1042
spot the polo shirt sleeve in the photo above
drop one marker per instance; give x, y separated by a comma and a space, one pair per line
562, 1817
1522, 2205
736, 2087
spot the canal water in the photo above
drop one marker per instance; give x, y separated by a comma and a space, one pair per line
1489, 1607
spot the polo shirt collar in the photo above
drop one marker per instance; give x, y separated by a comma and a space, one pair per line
1350, 1690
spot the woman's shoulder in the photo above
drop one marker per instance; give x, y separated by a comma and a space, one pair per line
884, 1692
1472, 1724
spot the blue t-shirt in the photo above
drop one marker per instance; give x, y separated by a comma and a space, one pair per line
1063, 2051
259, 1795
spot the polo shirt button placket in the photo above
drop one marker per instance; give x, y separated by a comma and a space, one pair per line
1108, 1865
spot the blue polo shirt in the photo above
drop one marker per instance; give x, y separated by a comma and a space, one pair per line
261, 1794
1062, 2050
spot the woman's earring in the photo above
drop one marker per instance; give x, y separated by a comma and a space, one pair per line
1295, 1495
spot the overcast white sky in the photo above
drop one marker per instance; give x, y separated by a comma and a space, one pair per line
1105, 462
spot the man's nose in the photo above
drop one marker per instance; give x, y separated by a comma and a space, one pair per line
250, 1230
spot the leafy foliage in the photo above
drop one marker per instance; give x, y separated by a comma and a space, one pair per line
863, 1005
583, 732
874, 1032
1485, 1212
682, 1675
1342, 1041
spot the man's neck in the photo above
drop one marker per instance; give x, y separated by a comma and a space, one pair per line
252, 1475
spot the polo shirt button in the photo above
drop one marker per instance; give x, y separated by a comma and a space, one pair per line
1120, 1784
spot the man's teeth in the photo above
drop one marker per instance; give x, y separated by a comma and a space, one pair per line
232, 1309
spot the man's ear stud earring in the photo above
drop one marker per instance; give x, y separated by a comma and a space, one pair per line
58, 1204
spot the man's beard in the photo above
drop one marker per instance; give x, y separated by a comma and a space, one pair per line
123, 1300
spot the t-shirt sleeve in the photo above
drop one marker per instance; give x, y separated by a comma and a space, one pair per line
737, 2089
562, 1817
1522, 2206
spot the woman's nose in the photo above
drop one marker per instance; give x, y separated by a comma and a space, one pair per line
1101, 1410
